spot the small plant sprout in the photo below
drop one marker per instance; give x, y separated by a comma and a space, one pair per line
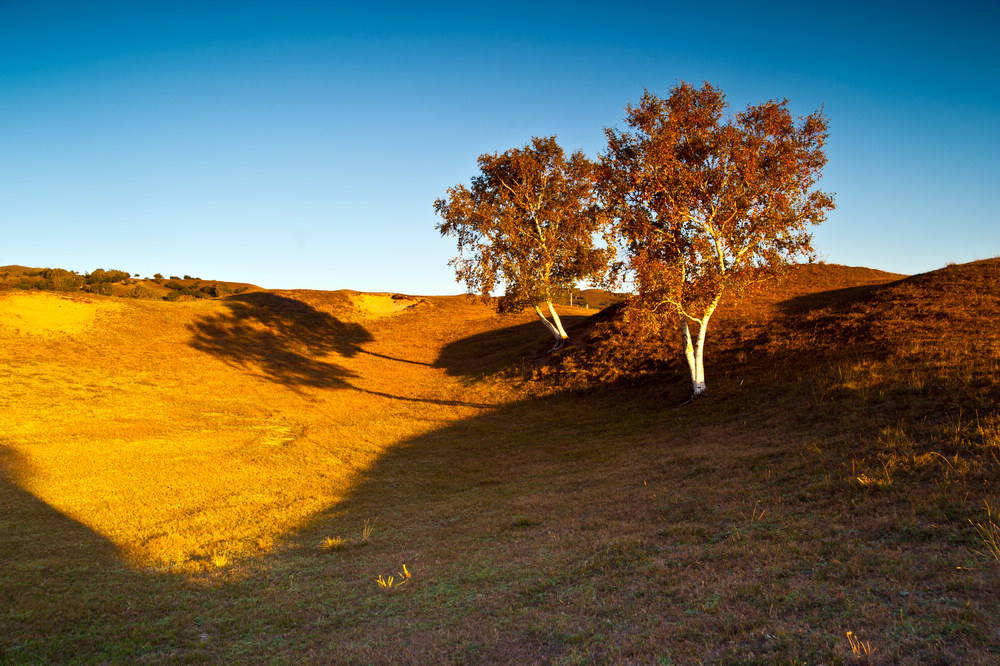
859, 647
369, 527
394, 582
866, 480
989, 535
333, 543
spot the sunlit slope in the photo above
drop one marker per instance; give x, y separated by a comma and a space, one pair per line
840, 477
196, 432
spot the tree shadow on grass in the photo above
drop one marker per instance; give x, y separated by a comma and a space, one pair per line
494, 350
66, 595
286, 341
33, 530
281, 339
481, 503
836, 299
805, 329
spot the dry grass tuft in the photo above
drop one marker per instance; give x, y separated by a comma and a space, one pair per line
989, 535
334, 543
860, 648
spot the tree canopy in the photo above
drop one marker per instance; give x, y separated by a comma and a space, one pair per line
704, 204
527, 225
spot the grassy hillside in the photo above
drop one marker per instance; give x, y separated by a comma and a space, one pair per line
226, 480
119, 283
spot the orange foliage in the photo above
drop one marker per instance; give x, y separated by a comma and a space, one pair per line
526, 225
706, 206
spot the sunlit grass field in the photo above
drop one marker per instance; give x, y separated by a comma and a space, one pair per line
194, 434
236, 480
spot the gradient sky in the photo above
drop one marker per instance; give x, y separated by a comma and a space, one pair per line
302, 145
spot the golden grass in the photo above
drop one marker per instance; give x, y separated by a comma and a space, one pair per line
48, 314
182, 458
238, 453
383, 304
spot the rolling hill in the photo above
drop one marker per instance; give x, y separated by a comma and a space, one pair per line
228, 479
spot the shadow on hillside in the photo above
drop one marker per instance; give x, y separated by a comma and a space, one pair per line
832, 299
560, 480
395, 358
72, 598
494, 350
285, 341
33, 530
552, 437
65, 591
282, 339
802, 328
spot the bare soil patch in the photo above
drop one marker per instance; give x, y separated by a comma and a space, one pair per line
381, 305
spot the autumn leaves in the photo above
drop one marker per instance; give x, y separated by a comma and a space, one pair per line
687, 204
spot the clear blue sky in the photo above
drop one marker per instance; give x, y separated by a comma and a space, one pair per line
296, 144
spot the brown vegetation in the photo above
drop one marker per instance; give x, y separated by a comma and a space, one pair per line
116, 283
200, 481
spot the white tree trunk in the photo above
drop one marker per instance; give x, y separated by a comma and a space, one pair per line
689, 350
558, 322
698, 386
695, 353
552, 329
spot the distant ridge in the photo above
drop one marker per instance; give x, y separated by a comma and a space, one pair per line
27, 278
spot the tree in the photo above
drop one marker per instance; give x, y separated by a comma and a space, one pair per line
101, 276
527, 224
706, 206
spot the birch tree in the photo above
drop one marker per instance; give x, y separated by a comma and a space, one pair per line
707, 204
528, 225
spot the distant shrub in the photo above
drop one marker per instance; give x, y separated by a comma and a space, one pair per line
32, 280
101, 276
58, 279
141, 292
157, 276
63, 280
48, 279
173, 296
179, 290
102, 288
188, 277
174, 277
217, 289
240, 290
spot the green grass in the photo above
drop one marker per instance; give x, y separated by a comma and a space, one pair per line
833, 482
